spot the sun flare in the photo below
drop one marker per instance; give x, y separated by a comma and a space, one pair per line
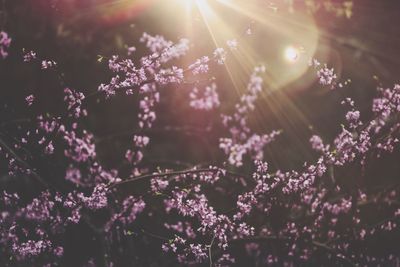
189, 5
291, 54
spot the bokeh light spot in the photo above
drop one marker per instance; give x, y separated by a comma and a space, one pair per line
291, 54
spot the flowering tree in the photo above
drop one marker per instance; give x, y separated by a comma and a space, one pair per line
226, 213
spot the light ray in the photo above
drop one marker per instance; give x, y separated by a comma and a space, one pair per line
219, 33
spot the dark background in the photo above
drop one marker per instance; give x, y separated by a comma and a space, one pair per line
74, 33
364, 48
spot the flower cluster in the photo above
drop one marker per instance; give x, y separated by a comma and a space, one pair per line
5, 42
203, 214
207, 100
242, 140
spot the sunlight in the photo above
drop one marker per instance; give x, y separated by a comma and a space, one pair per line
190, 4
291, 54
280, 30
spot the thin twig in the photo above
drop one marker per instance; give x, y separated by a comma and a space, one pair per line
154, 235
172, 173
23, 163
210, 251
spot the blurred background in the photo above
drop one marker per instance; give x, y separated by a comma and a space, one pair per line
360, 39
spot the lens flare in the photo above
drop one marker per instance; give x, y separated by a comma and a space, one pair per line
291, 54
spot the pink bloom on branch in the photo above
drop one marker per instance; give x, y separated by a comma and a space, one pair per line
317, 144
74, 101
98, 198
232, 44
158, 185
29, 56
5, 42
206, 100
171, 75
131, 50
200, 66
326, 76
80, 149
242, 140
29, 100
48, 64
220, 55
